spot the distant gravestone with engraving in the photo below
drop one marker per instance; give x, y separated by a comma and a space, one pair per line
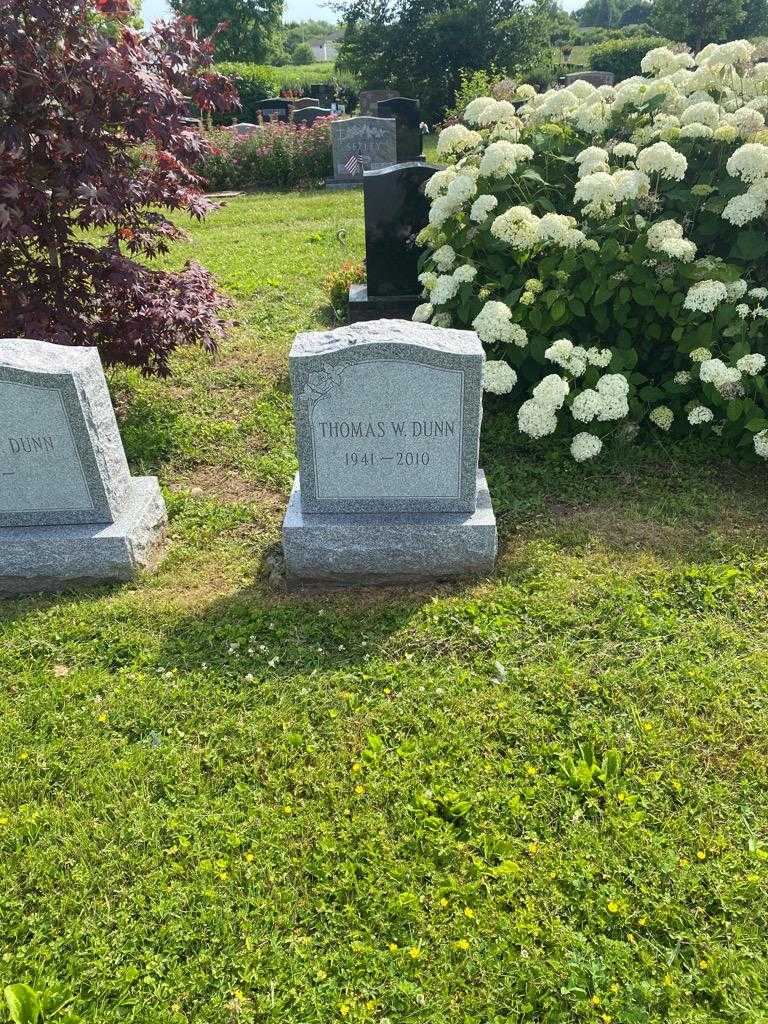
69, 508
368, 99
272, 109
396, 210
388, 423
408, 118
308, 115
361, 144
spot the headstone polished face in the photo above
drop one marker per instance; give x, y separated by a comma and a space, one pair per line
61, 458
362, 144
388, 418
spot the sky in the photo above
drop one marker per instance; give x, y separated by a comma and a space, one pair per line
295, 10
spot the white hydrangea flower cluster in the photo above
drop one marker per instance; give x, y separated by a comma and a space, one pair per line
666, 237
606, 401
521, 229
498, 377
705, 296
662, 416
538, 416
585, 446
494, 323
575, 359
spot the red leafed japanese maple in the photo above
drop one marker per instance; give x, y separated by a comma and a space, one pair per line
94, 144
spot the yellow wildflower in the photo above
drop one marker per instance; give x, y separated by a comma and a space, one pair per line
414, 952
461, 944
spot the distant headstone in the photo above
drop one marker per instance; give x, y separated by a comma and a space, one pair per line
69, 508
596, 78
325, 93
361, 144
306, 101
273, 109
369, 99
388, 424
243, 129
408, 117
308, 115
396, 209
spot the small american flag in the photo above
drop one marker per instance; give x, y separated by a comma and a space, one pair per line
354, 165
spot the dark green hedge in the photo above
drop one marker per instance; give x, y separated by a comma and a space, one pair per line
623, 56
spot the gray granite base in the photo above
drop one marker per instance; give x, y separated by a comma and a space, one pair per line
363, 307
50, 558
365, 550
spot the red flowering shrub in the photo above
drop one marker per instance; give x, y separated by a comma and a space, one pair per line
93, 146
275, 155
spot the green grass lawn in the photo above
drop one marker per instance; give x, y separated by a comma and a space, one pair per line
219, 803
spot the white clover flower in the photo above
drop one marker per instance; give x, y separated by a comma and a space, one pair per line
760, 442
536, 420
625, 150
551, 391
423, 313
751, 364
475, 108
662, 416
498, 377
585, 446
457, 138
700, 414
705, 296
663, 160
518, 227
742, 209
481, 207
749, 162
682, 377
444, 257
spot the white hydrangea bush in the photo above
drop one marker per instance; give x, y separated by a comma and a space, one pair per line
610, 247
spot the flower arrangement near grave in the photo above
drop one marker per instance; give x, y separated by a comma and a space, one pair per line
274, 155
608, 245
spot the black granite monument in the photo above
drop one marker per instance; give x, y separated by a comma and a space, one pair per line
396, 209
308, 115
273, 109
408, 117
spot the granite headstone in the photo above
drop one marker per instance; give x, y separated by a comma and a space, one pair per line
361, 144
308, 115
369, 99
306, 101
273, 109
408, 118
396, 210
388, 424
69, 508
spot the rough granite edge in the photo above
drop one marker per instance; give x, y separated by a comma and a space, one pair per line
390, 332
